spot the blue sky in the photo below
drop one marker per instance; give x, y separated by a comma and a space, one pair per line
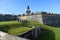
19, 6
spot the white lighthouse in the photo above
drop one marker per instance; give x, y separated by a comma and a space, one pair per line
28, 11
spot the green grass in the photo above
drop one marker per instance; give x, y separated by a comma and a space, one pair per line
19, 30
16, 28
57, 33
5, 26
53, 35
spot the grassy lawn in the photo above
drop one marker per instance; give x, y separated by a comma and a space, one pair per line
13, 27
54, 35
16, 28
57, 33
5, 26
19, 30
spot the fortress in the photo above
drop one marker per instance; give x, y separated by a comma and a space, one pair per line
42, 17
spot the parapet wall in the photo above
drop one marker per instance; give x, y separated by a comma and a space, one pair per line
43, 17
51, 19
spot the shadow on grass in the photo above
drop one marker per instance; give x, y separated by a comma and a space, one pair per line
4, 28
46, 36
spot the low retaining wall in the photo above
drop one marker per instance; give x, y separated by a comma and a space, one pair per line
32, 34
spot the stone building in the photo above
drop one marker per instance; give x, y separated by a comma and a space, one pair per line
42, 17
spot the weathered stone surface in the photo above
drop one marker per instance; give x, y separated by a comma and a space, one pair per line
43, 17
5, 36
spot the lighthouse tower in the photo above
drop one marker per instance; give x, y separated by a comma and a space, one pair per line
28, 10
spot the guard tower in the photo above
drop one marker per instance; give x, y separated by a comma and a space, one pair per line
28, 10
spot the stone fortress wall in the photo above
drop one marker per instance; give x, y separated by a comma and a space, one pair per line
32, 17
51, 19
42, 17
